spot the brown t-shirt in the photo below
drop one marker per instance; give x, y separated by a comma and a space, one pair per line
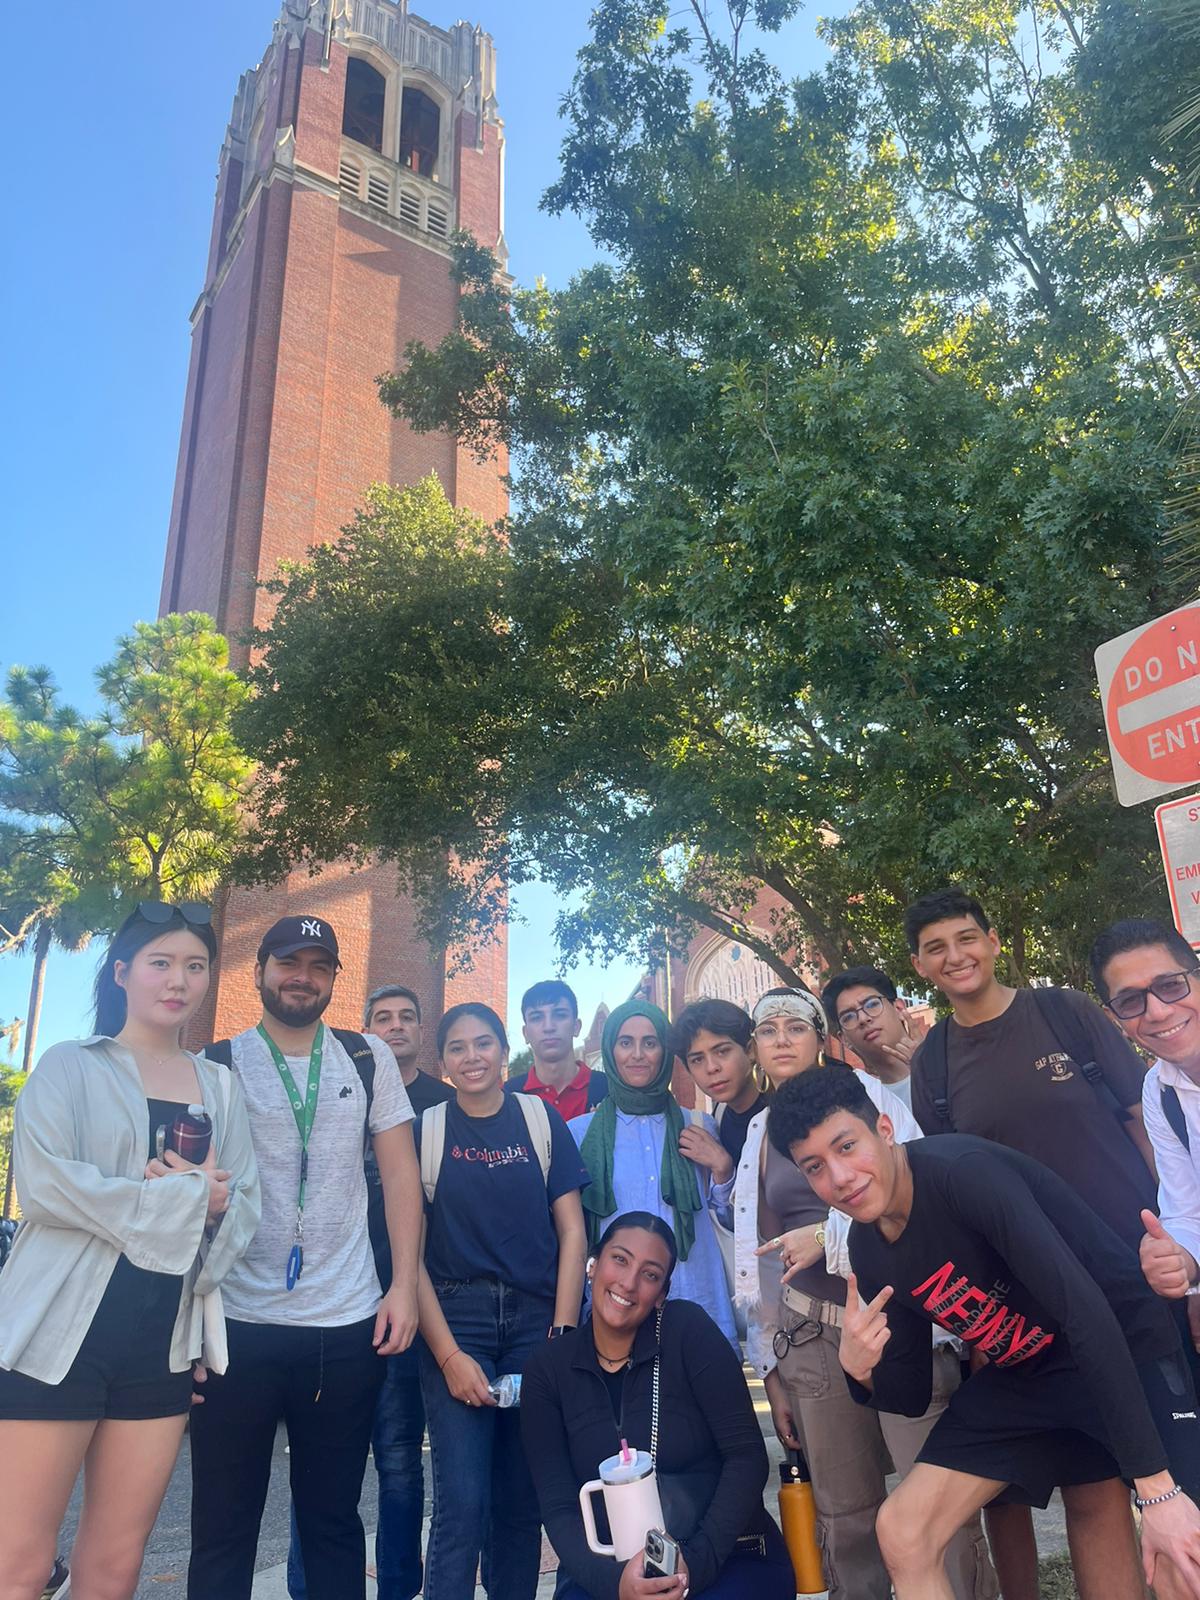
1010, 1080
786, 1200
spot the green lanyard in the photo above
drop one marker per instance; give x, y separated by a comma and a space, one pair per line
305, 1113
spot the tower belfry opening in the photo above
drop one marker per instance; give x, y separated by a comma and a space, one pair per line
420, 131
362, 108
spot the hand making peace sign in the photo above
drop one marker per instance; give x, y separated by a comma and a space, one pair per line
864, 1333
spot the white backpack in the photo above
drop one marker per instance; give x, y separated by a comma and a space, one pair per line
433, 1138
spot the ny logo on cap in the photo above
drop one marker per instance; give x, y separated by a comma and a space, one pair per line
311, 930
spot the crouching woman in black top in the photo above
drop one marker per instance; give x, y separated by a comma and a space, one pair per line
587, 1391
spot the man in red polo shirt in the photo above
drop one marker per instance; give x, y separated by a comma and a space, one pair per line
550, 1014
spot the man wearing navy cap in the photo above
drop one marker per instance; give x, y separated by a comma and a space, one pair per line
306, 1324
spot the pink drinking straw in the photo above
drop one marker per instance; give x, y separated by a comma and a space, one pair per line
626, 1453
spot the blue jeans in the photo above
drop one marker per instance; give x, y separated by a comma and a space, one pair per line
396, 1446
484, 1504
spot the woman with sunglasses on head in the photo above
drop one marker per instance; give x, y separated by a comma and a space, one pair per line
794, 1320
100, 1301
659, 1376
636, 1145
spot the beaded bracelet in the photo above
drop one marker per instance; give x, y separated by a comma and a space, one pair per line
1156, 1499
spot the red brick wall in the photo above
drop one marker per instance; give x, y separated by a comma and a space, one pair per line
282, 432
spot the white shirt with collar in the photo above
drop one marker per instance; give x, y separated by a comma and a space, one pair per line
1178, 1169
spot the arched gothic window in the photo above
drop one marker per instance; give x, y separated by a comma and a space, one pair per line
362, 110
420, 129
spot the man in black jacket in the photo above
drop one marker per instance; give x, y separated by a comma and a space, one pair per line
1084, 1381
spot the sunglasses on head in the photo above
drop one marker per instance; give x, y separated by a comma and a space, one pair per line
194, 912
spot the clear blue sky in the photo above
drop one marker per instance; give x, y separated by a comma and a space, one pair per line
111, 214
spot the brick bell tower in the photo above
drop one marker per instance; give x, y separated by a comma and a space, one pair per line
363, 138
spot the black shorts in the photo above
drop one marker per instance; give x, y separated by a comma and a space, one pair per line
122, 1370
1038, 1431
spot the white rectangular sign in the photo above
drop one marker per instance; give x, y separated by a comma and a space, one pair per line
1178, 824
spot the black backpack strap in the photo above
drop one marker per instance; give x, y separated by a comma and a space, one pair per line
221, 1052
1173, 1111
1060, 1017
935, 1066
363, 1057
597, 1089
359, 1050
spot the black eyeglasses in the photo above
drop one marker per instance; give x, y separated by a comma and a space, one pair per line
194, 912
1169, 987
870, 1007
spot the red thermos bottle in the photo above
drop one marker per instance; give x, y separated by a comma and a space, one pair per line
191, 1134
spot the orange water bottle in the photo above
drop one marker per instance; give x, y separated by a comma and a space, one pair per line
798, 1515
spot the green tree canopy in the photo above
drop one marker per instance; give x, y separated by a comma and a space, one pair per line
829, 480
141, 799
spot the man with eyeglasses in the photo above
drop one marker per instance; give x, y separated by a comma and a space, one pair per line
864, 1008
1145, 972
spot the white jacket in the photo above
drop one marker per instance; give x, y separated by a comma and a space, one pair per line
757, 1278
80, 1145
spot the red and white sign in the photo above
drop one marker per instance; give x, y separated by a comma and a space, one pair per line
1178, 824
1150, 690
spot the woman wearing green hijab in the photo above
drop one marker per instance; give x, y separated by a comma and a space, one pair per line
630, 1146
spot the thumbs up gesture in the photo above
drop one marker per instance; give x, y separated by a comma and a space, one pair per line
864, 1333
1167, 1267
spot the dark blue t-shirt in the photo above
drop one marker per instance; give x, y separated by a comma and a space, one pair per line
490, 1215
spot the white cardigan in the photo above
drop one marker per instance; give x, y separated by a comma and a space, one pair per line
80, 1148
757, 1278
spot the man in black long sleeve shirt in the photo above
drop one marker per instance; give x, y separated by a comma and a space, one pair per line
1085, 1379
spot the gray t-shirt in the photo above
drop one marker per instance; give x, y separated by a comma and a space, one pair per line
338, 1284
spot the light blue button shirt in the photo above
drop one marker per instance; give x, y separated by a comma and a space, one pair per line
637, 1185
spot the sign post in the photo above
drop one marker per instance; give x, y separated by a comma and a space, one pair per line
1150, 689
1178, 824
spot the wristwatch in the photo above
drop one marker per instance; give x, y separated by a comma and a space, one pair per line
559, 1328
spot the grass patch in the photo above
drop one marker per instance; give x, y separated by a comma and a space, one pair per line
1057, 1582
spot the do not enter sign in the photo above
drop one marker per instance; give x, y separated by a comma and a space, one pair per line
1150, 689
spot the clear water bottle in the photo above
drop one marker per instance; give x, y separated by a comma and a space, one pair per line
506, 1390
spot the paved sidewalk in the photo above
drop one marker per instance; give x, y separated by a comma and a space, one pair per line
271, 1583
165, 1569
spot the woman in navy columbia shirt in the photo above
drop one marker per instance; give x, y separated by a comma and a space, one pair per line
503, 1270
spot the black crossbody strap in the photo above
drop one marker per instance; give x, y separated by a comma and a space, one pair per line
1173, 1111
